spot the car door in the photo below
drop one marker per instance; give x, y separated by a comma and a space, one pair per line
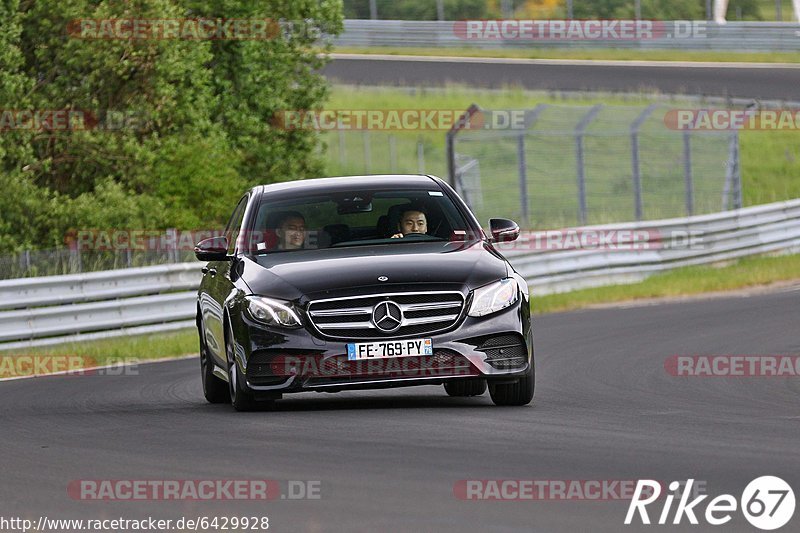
217, 281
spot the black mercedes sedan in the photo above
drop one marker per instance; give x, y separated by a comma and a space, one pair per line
361, 282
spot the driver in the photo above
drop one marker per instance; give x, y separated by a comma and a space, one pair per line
412, 220
291, 231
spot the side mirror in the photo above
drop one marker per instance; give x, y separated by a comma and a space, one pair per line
503, 230
213, 249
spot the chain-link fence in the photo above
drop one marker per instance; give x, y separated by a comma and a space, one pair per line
356, 152
577, 165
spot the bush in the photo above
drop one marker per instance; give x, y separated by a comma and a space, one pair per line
175, 130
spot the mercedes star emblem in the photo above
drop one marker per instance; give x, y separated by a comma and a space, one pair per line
387, 316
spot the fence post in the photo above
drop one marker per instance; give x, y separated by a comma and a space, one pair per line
731, 170
529, 119
737, 173
637, 175
172, 245
450, 142
580, 130
523, 178
75, 261
342, 153
367, 153
687, 173
392, 153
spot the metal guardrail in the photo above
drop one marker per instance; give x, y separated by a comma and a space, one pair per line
57, 309
718, 237
736, 36
77, 307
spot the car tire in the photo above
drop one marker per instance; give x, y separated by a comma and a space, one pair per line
241, 399
465, 387
519, 393
215, 389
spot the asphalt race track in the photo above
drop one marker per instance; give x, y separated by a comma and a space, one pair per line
759, 81
605, 409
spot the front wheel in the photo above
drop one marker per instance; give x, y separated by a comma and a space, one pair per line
240, 399
214, 389
518, 393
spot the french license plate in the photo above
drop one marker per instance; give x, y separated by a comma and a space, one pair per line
383, 349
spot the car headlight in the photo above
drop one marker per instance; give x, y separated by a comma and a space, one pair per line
272, 312
493, 297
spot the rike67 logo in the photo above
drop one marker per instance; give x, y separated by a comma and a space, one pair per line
767, 503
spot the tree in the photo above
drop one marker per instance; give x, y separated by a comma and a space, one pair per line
168, 131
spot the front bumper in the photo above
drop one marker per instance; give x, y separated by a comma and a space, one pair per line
497, 347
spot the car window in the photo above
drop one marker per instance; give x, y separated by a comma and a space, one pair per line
355, 218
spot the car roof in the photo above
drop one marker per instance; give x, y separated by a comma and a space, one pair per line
378, 181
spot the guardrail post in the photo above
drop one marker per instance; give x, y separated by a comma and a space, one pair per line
580, 130
687, 173
637, 175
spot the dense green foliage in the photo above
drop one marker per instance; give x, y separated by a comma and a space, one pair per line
179, 127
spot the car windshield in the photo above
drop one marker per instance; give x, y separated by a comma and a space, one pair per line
355, 218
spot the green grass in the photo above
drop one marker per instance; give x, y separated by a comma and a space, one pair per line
119, 350
770, 159
611, 54
747, 272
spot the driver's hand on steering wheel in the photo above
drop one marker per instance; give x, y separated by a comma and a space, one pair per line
397, 236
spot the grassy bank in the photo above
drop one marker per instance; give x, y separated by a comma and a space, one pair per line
115, 351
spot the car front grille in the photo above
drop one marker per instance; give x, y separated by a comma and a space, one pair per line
422, 313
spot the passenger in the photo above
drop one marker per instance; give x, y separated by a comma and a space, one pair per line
412, 220
291, 231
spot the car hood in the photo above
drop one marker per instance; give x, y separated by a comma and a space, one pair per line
337, 272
